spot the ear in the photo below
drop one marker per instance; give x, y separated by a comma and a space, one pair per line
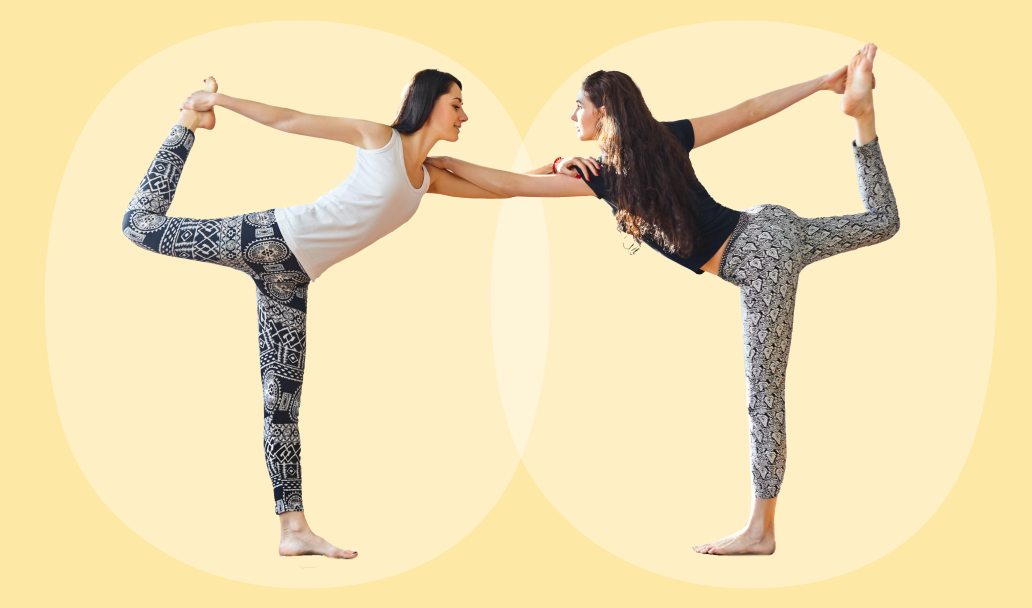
602, 110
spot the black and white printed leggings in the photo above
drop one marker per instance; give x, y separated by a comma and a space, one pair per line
764, 256
253, 244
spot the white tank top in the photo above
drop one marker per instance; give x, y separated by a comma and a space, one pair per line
371, 203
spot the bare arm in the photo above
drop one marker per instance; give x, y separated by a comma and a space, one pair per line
360, 133
449, 184
509, 184
713, 127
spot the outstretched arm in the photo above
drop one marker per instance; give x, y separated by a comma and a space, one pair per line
449, 184
506, 184
713, 127
360, 133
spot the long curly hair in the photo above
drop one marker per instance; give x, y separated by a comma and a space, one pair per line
650, 176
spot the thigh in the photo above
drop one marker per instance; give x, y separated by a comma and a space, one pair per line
218, 241
276, 270
828, 236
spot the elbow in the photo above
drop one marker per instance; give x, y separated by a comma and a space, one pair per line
287, 124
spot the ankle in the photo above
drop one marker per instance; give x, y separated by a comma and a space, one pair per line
759, 530
189, 119
865, 131
293, 522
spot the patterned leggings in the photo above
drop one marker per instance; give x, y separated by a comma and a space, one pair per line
764, 256
253, 244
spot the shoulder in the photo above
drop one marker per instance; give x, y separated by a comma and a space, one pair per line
682, 130
437, 174
597, 183
375, 136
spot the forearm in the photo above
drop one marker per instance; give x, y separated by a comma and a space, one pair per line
765, 106
545, 170
270, 116
494, 180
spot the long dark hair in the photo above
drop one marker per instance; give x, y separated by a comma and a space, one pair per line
420, 95
650, 175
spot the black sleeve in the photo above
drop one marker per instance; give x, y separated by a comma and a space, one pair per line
597, 183
684, 132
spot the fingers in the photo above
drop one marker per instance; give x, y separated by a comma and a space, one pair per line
585, 167
588, 165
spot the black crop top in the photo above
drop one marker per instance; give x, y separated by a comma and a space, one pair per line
715, 221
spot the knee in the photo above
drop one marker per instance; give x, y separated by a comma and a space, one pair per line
886, 227
129, 231
893, 226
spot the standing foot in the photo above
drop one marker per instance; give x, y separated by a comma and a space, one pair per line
296, 538
743, 542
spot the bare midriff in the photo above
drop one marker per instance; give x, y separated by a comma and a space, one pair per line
713, 265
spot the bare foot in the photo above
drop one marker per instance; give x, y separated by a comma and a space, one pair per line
743, 542
193, 119
305, 542
858, 99
296, 538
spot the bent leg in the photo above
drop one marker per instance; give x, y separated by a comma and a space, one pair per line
217, 241
828, 236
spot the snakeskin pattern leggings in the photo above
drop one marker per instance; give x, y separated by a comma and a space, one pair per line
764, 256
253, 244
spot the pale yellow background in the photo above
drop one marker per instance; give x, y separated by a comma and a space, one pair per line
67, 545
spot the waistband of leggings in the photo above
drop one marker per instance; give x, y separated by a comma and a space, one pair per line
743, 221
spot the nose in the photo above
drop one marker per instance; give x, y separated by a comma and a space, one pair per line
573, 116
463, 117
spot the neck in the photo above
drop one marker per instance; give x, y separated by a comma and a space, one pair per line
418, 146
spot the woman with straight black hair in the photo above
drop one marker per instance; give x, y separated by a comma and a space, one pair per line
645, 174
285, 249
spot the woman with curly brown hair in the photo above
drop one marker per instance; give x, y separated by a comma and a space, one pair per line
647, 178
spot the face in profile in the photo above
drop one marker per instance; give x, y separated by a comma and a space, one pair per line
447, 116
586, 116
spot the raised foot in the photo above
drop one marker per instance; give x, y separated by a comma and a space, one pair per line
194, 119
740, 543
858, 99
307, 543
